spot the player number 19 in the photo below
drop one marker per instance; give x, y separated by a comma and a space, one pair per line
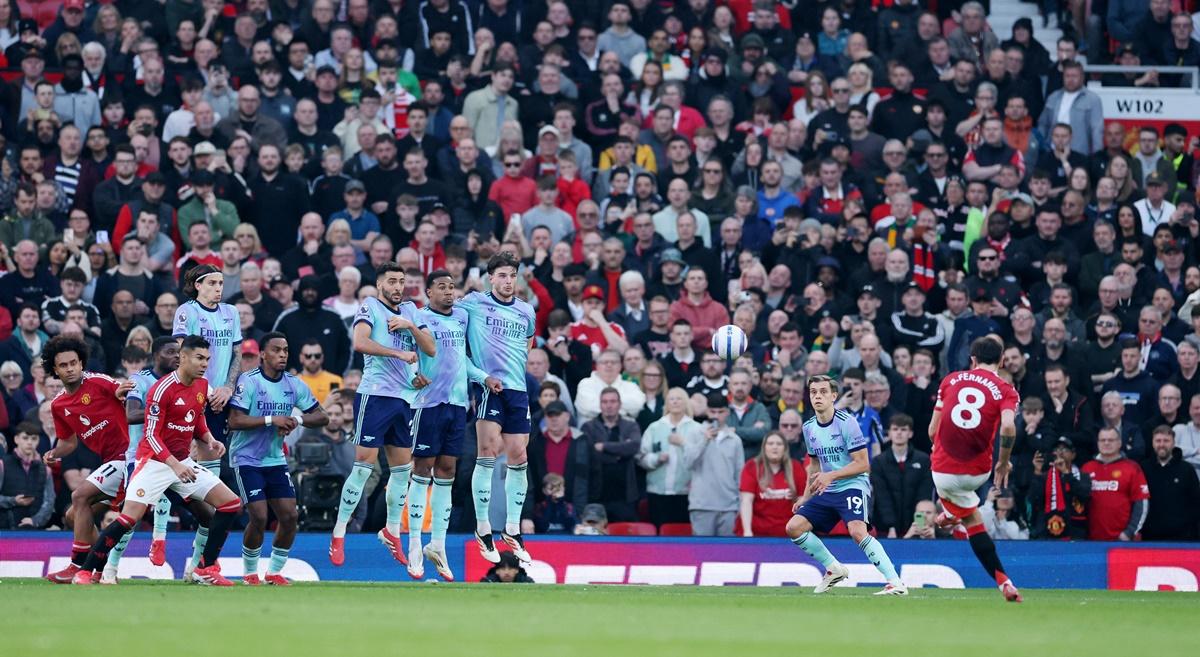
855, 504
966, 413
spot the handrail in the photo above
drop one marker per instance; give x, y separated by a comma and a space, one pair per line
1190, 71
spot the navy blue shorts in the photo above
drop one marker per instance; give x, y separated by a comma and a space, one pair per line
824, 510
218, 423
381, 421
438, 431
259, 484
509, 409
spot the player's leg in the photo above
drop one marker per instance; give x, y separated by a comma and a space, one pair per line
287, 519
158, 539
208, 459
515, 436
202, 531
960, 504
877, 556
817, 514
443, 484
400, 468
367, 436
252, 536
985, 551
228, 506
81, 518
131, 513
418, 493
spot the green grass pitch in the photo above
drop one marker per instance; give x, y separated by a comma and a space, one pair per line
172, 619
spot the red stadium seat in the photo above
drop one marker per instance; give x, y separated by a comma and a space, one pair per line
675, 529
631, 529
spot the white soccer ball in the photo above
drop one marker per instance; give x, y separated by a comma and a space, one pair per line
729, 342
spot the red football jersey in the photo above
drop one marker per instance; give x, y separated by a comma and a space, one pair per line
971, 402
174, 415
1115, 487
94, 415
592, 336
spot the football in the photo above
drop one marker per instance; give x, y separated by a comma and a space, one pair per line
729, 342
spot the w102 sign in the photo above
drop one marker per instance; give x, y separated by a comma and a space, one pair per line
1135, 107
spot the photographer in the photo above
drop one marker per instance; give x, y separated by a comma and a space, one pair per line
1059, 497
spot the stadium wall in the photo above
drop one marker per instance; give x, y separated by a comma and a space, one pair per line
692, 561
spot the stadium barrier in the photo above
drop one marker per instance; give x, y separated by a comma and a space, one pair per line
678, 561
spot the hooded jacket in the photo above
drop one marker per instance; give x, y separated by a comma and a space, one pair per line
705, 317
310, 320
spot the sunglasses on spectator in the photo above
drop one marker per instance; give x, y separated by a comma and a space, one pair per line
310, 356
512, 165
1106, 324
986, 258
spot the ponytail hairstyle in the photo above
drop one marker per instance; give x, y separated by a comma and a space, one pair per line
192, 279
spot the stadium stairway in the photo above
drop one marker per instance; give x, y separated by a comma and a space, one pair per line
1006, 12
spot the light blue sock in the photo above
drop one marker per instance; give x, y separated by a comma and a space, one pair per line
250, 560
162, 517
418, 488
198, 545
481, 484
440, 502
212, 466
809, 542
397, 493
351, 493
516, 485
878, 556
114, 557
279, 557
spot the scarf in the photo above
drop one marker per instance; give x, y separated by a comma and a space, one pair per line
924, 269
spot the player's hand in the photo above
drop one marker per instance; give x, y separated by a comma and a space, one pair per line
798, 503
1000, 478
819, 483
396, 323
420, 381
123, 390
50, 458
409, 357
219, 398
493, 384
183, 472
217, 447
285, 423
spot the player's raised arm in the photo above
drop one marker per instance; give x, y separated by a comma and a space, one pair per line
363, 344
424, 340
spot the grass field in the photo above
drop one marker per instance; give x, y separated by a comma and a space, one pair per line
343, 620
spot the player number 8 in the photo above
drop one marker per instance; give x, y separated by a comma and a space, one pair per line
966, 413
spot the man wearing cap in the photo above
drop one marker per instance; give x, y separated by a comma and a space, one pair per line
364, 224
751, 52
220, 215
154, 190
557, 449
1154, 209
710, 81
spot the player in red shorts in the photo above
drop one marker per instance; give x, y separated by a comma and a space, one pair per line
174, 419
91, 410
974, 402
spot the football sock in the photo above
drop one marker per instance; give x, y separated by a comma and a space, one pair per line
79, 552
218, 530
114, 556
162, 517
109, 537
397, 493
250, 560
809, 542
481, 483
418, 489
441, 511
985, 550
198, 544
516, 485
878, 556
351, 492
279, 557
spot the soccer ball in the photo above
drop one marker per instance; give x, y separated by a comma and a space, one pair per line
729, 342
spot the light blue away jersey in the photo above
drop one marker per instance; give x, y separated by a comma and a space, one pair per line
382, 376
832, 445
141, 385
222, 328
498, 336
448, 370
259, 396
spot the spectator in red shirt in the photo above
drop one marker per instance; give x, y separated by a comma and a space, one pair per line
513, 192
1120, 495
699, 309
593, 329
770, 483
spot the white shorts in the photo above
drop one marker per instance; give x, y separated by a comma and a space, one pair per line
152, 478
959, 490
109, 478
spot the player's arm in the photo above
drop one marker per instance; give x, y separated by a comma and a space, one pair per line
363, 344
424, 340
135, 411
314, 417
1008, 438
933, 424
240, 420
812, 468
62, 449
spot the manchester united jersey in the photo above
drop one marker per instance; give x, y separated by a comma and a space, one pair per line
94, 415
970, 402
1115, 487
174, 415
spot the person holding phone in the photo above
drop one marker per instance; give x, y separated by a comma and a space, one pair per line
26, 487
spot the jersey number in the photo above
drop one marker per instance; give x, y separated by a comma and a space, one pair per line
855, 504
966, 413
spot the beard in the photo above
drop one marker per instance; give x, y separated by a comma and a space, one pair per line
896, 277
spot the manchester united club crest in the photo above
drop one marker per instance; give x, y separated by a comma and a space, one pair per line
199, 398
141, 492
1056, 525
86, 399
1116, 474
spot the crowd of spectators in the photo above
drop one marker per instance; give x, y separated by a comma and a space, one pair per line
863, 187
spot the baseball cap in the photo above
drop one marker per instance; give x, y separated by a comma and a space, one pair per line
549, 130
438, 205
27, 25
355, 186
672, 255
327, 69
202, 178
1021, 197
593, 292
718, 53
829, 261
278, 280
981, 294
555, 408
912, 285
204, 148
574, 270
753, 41
77, 5
249, 347
1063, 441
868, 289
1155, 178
1172, 247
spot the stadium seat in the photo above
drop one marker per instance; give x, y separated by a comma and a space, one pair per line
631, 529
675, 529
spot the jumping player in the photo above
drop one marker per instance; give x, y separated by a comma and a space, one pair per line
839, 487
386, 332
89, 410
500, 333
260, 415
439, 422
174, 420
976, 402
165, 352
204, 315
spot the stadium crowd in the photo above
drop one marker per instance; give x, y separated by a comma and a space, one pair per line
863, 188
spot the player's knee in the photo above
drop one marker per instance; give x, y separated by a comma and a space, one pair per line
288, 517
858, 530
80, 498
797, 526
444, 471
256, 517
